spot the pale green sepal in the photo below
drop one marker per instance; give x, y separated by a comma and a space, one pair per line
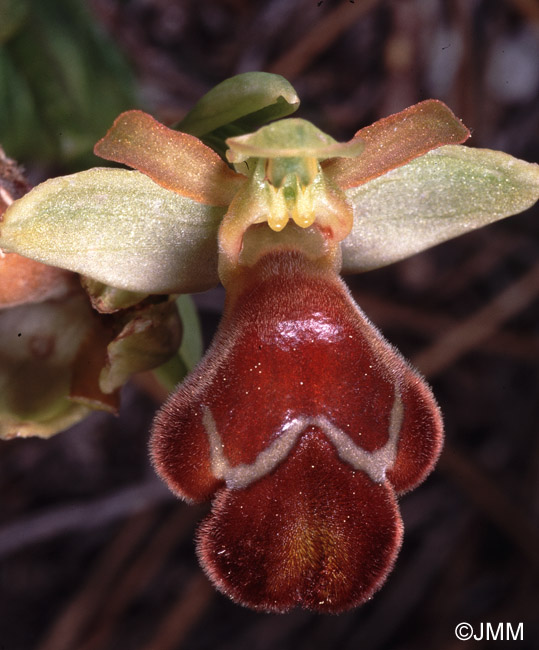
445, 193
117, 227
149, 337
254, 97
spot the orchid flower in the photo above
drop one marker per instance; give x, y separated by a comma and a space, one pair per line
301, 422
66, 348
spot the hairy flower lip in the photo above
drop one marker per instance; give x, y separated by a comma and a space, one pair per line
338, 424
284, 557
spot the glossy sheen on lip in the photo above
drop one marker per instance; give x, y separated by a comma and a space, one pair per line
304, 422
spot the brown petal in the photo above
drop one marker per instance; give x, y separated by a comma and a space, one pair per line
176, 161
396, 140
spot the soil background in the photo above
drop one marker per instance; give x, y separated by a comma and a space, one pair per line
96, 554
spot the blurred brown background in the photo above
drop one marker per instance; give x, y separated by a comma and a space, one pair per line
95, 554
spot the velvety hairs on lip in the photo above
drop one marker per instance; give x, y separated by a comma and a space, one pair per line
302, 423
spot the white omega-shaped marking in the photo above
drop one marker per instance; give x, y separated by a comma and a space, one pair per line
374, 463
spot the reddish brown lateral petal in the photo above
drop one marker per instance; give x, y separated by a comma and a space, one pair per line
421, 435
313, 534
396, 140
176, 161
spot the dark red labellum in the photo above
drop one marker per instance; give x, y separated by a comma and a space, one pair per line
303, 423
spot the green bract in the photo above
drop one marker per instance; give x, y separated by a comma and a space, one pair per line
239, 105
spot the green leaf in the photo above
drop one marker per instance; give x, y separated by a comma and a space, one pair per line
239, 105
13, 14
445, 193
55, 105
117, 227
22, 132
